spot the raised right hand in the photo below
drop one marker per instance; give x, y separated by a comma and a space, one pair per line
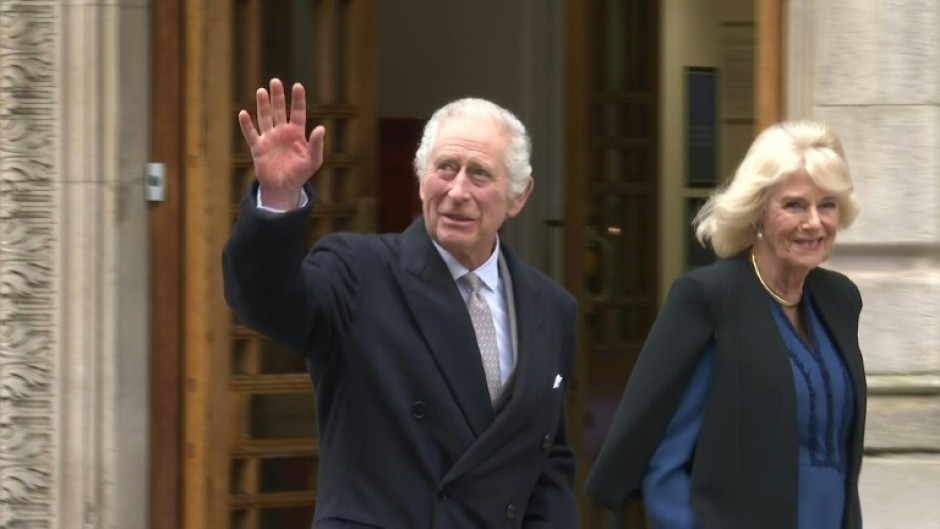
284, 159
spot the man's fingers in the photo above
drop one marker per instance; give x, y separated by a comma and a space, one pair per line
315, 146
298, 106
264, 110
279, 105
248, 128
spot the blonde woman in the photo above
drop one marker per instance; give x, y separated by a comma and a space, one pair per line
746, 407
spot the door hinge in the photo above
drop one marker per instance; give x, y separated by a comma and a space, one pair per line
155, 182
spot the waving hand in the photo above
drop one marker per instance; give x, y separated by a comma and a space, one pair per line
284, 158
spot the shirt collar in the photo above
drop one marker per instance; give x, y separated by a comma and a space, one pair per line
488, 272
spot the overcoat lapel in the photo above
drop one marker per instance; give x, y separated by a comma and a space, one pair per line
839, 319
534, 373
531, 368
834, 315
438, 308
763, 335
764, 357
766, 361
840, 325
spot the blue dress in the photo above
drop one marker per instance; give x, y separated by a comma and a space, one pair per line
825, 404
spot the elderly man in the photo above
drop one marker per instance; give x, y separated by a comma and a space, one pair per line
438, 357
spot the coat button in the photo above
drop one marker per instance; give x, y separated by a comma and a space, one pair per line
419, 410
510, 511
547, 441
441, 494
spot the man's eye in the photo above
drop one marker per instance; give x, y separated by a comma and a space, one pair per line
479, 173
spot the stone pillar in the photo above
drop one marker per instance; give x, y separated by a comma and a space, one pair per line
74, 132
872, 70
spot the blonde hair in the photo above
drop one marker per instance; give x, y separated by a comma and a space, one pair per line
728, 220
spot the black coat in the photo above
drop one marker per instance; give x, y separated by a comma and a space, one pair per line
408, 437
745, 466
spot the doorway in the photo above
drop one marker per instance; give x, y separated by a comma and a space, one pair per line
663, 99
621, 197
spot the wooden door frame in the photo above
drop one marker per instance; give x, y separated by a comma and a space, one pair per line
577, 143
165, 267
191, 134
768, 67
206, 140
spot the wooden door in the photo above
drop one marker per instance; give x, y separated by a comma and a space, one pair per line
614, 191
612, 198
166, 270
250, 447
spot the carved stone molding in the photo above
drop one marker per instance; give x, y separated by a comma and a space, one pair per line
28, 290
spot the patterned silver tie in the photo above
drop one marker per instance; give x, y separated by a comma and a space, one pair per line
482, 320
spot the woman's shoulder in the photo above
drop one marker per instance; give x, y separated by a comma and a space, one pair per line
826, 281
721, 273
832, 277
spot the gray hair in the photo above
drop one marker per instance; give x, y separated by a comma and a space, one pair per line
518, 151
728, 220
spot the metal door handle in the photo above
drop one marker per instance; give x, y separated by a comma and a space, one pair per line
605, 264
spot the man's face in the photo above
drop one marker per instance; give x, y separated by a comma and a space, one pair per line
465, 193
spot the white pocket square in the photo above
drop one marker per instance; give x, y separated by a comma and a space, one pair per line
558, 379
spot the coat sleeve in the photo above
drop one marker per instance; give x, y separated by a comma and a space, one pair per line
301, 302
663, 370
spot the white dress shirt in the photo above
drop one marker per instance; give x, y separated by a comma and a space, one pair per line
492, 290
300, 203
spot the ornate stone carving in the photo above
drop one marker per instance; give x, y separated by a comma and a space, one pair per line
28, 151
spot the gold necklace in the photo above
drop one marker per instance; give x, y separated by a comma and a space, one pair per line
773, 294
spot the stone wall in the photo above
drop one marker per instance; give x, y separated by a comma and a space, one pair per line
74, 115
872, 70
29, 234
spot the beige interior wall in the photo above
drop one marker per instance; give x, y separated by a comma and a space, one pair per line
434, 52
693, 33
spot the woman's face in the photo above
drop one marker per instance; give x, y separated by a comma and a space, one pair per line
800, 222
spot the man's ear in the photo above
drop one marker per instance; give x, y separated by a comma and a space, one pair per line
516, 204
